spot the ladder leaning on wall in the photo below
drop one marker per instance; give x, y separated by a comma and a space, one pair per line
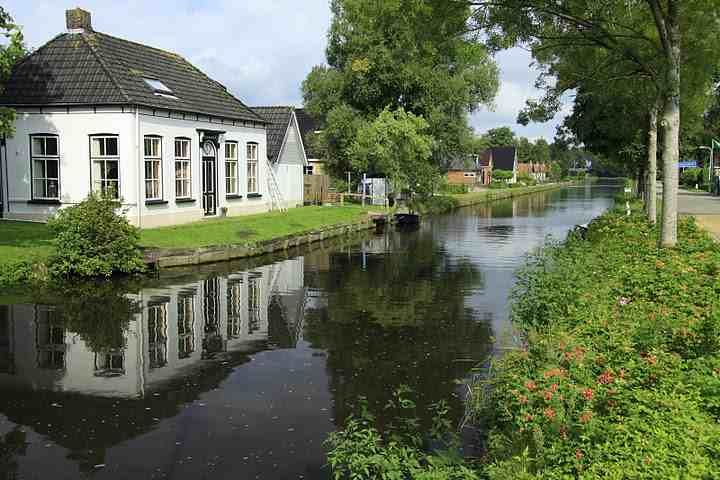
276, 200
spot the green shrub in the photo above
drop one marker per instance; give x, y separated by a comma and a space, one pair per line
453, 189
497, 184
502, 175
620, 373
527, 179
360, 451
691, 177
92, 240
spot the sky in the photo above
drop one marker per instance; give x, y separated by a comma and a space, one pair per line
261, 50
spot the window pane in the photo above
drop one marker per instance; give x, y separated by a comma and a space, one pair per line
51, 146
148, 147
95, 146
39, 169
111, 147
148, 170
53, 189
52, 168
112, 170
38, 146
39, 188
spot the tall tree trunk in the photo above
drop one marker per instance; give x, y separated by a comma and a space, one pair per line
651, 185
671, 128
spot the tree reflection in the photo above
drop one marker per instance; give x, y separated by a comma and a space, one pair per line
99, 312
397, 319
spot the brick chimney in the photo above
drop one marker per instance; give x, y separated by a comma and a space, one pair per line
78, 20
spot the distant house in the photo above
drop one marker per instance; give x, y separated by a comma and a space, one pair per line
471, 170
98, 113
537, 171
505, 158
309, 127
285, 151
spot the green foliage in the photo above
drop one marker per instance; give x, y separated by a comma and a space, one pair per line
500, 137
692, 176
502, 175
620, 372
360, 451
399, 54
12, 50
396, 145
92, 240
526, 179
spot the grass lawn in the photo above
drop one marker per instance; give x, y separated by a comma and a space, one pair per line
20, 241
251, 228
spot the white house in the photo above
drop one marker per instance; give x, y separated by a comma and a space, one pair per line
98, 113
286, 152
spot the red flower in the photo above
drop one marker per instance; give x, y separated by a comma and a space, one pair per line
606, 378
549, 413
588, 394
585, 417
548, 395
522, 399
530, 385
529, 418
554, 387
579, 454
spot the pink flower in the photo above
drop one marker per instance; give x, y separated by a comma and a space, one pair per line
588, 394
549, 413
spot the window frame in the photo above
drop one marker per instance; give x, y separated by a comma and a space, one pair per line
233, 181
183, 160
45, 157
250, 161
153, 159
157, 334
104, 159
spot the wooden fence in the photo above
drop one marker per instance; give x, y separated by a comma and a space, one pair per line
316, 188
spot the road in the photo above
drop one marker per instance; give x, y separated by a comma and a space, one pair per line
704, 207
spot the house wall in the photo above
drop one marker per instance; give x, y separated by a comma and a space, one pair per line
175, 213
318, 166
289, 168
456, 177
74, 128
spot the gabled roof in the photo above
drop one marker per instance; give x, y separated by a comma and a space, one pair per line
307, 125
278, 119
92, 68
503, 158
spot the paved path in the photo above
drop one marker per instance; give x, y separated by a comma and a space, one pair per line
704, 207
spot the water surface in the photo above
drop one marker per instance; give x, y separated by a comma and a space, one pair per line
240, 370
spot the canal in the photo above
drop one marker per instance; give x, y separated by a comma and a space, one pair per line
241, 370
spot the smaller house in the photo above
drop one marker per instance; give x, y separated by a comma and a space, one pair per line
309, 127
471, 170
286, 152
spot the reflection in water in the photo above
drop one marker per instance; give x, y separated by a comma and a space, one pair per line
235, 371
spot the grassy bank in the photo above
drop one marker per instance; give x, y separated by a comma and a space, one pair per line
25, 247
252, 228
620, 377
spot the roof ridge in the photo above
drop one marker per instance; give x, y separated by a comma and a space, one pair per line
104, 66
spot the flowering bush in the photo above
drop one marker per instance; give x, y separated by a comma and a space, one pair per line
620, 376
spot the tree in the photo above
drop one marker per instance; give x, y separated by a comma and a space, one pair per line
643, 34
397, 146
500, 137
396, 54
11, 51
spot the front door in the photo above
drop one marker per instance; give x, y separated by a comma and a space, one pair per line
209, 178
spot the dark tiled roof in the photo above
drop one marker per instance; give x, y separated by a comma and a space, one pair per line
93, 68
307, 125
279, 120
503, 158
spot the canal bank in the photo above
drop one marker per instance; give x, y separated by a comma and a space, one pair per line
166, 258
243, 369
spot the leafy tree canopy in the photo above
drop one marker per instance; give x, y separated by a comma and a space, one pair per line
11, 51
409, 54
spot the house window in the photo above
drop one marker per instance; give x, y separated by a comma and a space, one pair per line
234, 309
469, 174
45, 166
157, 86
252, 167
110, 363
231, 168
157, 335
105, 161
186, 325
49, 339
308, 169
253, 303
153, 168
183, 176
